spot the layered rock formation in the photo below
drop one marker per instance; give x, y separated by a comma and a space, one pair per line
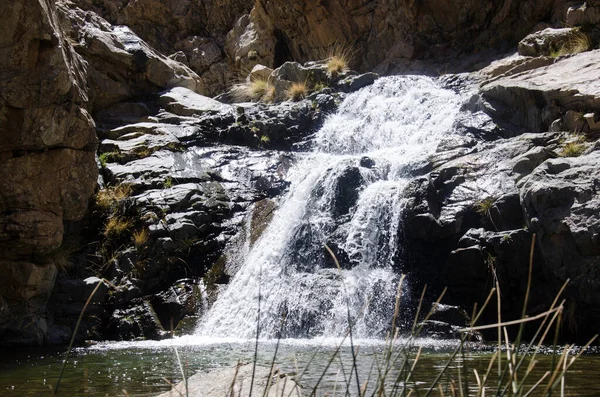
473, 217
47, 150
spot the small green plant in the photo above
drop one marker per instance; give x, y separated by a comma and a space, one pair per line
110, 157
297, 90
103, 160
572, 149
175, 147
319, 86
483, 207
116, 226
168, 183
142, 152
140, 237
507, 238
265, 139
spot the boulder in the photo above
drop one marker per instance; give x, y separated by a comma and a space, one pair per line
560, 199
547, 42
122, 66
196, 28
260, 72
185, 102
533, 99
237, 380
586, 14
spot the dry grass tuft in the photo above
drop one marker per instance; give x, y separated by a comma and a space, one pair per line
257, 89
116, 226
108, 197
62, 258
337, 64
296, 91
338, 59
140, 237
572, 149
579, 42
269, 95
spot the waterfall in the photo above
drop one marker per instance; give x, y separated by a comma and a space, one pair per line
347, 193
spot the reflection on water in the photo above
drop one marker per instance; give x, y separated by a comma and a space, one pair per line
143, 368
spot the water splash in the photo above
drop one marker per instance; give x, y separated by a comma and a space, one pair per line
347, 193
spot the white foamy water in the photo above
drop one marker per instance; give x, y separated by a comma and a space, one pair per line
347, 193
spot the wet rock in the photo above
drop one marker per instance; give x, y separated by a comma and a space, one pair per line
218, 382
138, 321
67, 303
180, 300
262, 213
355, 83
367, 162
347, 190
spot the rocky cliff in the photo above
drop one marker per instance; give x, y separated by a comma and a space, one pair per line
183, 176
47, 151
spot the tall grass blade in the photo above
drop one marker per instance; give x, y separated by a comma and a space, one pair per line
185, 383
62, 369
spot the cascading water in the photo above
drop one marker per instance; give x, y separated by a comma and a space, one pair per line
347, 193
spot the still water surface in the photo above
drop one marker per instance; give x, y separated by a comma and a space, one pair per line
145, 368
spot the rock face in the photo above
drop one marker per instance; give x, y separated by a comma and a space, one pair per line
192, 32
471, 220
181, 173
221, 39
47, 150
121, 65
561, 200
276, 31
532, 99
